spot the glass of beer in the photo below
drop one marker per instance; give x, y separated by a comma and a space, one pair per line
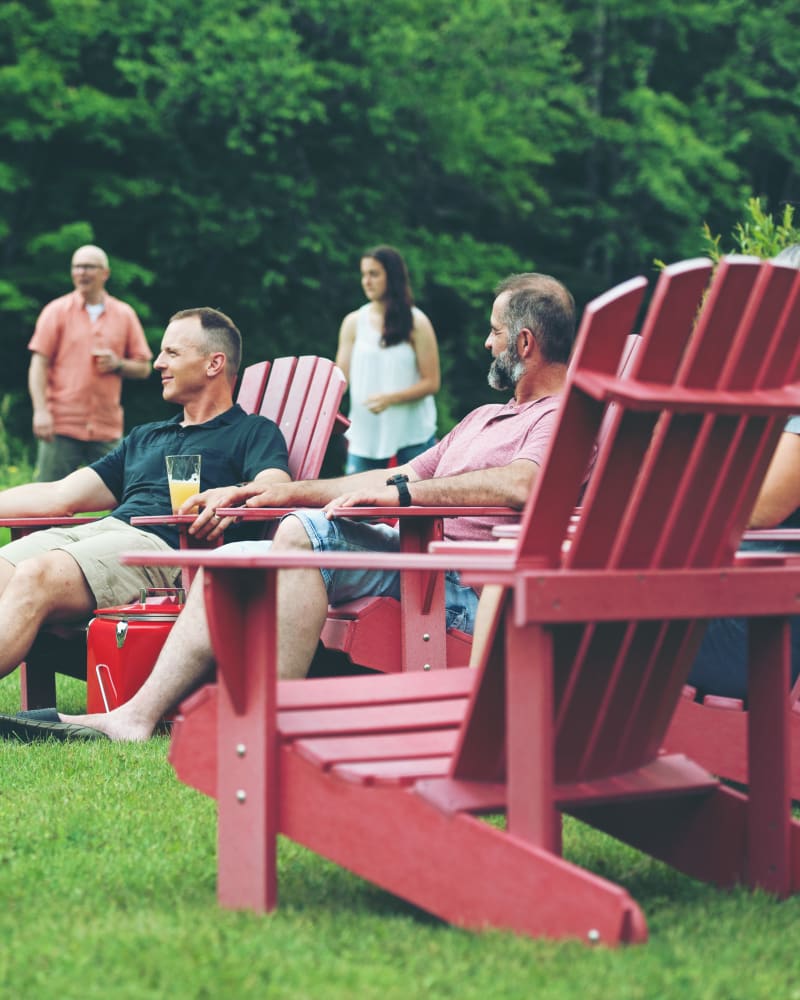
183, 475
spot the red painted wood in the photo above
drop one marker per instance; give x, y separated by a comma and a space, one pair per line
374, 717
583, 671
769, 817
251, 386
362, 690
399, 771
399, 743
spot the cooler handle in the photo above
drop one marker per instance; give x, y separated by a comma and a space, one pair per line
178, 593
97, 670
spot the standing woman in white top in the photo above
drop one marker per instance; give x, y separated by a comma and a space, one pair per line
389, 355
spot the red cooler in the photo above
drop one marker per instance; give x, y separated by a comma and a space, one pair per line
123, 645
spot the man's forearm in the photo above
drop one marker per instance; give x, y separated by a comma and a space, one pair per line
31, 500
37, 382
508, 486
134, 368
313, 492
82, 490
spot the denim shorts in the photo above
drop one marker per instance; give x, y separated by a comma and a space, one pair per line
344, 535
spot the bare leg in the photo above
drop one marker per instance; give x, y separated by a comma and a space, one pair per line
46, 588
187, 655
485, 618
183, 662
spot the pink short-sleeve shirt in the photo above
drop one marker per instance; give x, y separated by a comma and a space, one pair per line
85, 404
490, 436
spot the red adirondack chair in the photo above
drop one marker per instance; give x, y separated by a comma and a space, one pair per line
387, 775
302, 395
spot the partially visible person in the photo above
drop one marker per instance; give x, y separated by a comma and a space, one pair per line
492, 457
83, 345
720, 667
63, 573
389, 355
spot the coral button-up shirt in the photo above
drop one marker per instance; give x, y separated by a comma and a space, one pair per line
85, 404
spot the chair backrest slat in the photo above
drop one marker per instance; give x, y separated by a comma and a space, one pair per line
672, 488
251, 386
302, 395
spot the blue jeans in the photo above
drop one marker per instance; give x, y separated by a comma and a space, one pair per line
720, 666
343, 535
358, 463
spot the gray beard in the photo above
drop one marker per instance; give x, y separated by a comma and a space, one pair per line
505, 371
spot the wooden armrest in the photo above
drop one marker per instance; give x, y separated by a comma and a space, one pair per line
757, 557
468, 548
47, 522
550, 594
268, 513
772, 535
416, 510
173, 519
506, 531
255, 513
243, 513
497, 558
19, 527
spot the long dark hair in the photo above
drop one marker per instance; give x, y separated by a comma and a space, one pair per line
398, 321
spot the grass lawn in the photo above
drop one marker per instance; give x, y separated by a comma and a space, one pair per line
108, 871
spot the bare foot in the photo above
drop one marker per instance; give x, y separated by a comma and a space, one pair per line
114, 727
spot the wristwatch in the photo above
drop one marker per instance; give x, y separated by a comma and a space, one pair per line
400, 482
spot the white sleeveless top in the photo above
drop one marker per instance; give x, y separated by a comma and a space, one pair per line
374, 370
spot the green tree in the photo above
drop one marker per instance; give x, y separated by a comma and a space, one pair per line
243, 155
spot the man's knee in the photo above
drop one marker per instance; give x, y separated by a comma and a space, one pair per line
32, 576
52, 581
291, 534
7, 570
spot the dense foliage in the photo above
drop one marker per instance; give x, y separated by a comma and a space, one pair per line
242, 154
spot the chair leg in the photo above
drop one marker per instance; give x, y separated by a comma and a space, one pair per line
63, 652
37, 687
243, 618
769, 814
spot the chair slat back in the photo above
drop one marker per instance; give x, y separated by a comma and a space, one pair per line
251, 386
302, 395
692, 430
605, 327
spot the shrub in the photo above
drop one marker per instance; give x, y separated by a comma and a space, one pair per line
758, 234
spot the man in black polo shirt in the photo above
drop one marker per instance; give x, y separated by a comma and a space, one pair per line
63, 574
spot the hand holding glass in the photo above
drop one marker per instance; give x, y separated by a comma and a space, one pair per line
183, 475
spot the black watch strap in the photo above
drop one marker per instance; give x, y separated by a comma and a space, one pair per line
401, 482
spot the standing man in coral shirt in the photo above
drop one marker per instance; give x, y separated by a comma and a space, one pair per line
84, 344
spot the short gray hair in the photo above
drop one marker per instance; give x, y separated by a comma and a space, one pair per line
221, 334
546, 307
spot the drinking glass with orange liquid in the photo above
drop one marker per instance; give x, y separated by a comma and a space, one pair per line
183, 475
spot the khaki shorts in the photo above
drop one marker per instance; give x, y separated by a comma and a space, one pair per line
96, 548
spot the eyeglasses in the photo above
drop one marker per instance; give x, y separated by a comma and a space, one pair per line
86, 267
